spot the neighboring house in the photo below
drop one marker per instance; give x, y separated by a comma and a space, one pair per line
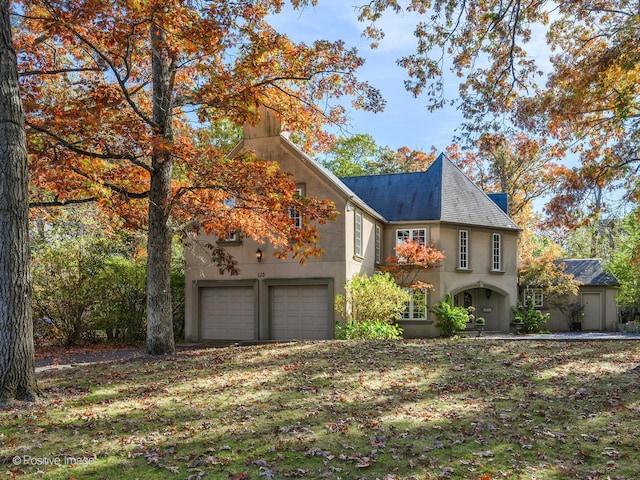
276, 299
597, 294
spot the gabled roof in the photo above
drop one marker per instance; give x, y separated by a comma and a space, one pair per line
589, 271
442, 193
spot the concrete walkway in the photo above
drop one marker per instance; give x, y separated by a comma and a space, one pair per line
562, 336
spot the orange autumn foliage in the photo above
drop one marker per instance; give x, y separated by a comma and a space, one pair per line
117, 94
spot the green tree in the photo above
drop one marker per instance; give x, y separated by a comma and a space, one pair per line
121, 312
625, 263
90, 278
360, 155
600, 239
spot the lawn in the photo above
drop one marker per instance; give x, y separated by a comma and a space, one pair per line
416, 409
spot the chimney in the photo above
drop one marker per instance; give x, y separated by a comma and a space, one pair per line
269, 126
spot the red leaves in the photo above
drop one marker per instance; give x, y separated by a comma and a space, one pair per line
413, 258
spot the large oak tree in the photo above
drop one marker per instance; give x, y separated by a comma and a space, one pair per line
17, 364
117, 94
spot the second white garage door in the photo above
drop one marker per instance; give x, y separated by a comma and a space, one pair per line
300, 312
228, 313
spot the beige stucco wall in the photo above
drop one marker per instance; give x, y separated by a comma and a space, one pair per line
447, 279
336, 238
558, 321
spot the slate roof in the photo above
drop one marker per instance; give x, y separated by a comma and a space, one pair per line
441, 193
589, 271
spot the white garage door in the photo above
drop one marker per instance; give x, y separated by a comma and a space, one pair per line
300, 312
227, 313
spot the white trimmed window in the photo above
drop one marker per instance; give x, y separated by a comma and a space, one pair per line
295, 214
378, 244
231, 237
496, 252
416, 234
535, 294
358, 234
463, 249
417, 304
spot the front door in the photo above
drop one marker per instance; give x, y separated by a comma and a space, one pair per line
592, 303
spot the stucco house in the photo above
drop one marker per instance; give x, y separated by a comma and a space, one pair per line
274, 299
597, 294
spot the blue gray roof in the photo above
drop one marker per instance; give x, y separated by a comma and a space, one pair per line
589, 271
443, 193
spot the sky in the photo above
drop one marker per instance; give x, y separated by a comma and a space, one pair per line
405, 120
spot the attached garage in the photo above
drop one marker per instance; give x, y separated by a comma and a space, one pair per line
228, 313
271, 309
301, 312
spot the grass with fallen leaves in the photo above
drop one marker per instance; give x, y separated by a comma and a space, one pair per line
414, 409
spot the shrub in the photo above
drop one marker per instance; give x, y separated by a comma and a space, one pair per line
88, 285
370, 307
530, 318
177, 298
368, 330
450, 319
372, 299
66, 288
122, 315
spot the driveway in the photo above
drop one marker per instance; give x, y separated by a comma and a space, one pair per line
563, 336
61, 359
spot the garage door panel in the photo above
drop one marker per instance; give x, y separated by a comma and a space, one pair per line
300, 312
228, 313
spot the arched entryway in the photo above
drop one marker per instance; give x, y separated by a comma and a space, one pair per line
488, 301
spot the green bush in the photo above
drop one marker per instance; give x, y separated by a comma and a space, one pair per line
368, 330
122, 314
450, 319
377, 299
370, 307
530, 318
177, 299
67, 289
89, 283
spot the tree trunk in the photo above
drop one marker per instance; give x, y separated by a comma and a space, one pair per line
159, 312
17, 363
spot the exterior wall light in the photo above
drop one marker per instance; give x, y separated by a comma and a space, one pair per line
259, 255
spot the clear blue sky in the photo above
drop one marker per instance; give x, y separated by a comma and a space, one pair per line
405, 120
